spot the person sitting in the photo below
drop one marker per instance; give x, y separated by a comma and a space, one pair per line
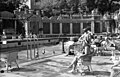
70, 46
96, 44
85, 50
101, 39
108, 43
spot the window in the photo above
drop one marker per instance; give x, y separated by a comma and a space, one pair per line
76, 28
66, 28
46, 28
56, 28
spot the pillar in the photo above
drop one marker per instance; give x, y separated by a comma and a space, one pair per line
15, 27
61, 28
92, 26
93, 23
50, 28
108, 26
26, 28
40, 26
71, 28
81, 27
15, 22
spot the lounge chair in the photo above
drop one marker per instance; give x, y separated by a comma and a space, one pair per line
85, 61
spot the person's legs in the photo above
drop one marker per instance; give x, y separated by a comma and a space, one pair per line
74, 61
74, 64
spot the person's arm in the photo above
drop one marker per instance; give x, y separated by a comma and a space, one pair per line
84, 52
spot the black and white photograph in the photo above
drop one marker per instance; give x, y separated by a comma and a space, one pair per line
59, 38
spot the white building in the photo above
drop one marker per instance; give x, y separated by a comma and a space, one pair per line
38, 4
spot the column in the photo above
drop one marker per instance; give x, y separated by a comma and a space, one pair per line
26, 28
92, 26
40, 27
15, 26
81, 27
15, 22
71, 28
108, 27
61, 28
51, 28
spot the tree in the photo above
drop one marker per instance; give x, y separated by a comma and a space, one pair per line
3, 6
76, 5
91, 5
102, 5
9, 5
113, 6
63, 4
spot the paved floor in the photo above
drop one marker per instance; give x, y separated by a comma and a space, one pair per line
57, 67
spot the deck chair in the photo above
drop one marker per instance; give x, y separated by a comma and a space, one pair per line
11, 57
76, 47
85, 61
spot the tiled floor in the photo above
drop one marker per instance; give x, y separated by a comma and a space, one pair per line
57, 67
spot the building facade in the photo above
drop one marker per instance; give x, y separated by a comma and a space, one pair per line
63, 24
73, 25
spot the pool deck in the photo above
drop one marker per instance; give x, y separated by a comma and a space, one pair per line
56, 66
